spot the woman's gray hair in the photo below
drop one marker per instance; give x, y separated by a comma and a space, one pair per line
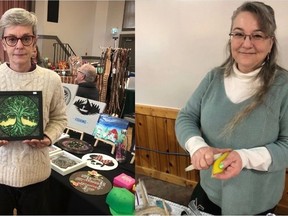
18, 16
266, 20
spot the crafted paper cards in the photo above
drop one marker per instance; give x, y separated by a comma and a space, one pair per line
111, 128
70, 91
83, 114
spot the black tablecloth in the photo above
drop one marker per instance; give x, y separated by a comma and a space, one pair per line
129, 106
64, 199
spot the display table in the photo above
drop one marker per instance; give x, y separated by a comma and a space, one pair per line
68, 79
65, 199
129, 106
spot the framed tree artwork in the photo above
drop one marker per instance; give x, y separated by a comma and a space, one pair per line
21, 115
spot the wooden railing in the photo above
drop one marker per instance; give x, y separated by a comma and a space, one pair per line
62, 51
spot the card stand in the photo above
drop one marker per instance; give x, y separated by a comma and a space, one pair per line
133, 158
133, 153
62, 136
106, 142
77, 131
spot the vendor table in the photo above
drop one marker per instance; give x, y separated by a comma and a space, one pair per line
129, 106
65, 199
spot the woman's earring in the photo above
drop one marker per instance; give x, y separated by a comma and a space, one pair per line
268, 57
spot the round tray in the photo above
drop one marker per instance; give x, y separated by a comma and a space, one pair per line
100, 161
90, 182
75, 146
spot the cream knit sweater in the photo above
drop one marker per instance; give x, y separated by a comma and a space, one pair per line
20, 164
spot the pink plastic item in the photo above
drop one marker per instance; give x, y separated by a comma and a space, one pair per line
124, 181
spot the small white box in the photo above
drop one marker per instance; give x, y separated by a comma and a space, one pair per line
53, 149
66, 157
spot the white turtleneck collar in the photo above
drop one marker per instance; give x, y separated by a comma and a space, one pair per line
241, 86
241, 75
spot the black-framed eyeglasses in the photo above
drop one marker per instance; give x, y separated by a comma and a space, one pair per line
254, 37
26, 40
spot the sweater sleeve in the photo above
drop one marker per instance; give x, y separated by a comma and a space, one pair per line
57, 110
187, 123
278, 149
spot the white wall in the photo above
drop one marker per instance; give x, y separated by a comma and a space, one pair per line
179, 41
85, 25
100, 31
74, 23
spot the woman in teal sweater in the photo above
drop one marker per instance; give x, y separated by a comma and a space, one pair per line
241, 107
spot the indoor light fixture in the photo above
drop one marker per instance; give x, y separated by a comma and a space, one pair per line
115, 35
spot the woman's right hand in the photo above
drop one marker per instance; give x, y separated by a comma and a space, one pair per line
3, 142
203, 158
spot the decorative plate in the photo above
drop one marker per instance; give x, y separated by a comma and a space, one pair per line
90, 182
100, 161
75, 146
67, 95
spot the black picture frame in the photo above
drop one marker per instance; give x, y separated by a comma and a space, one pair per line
21, 115
128, 23
53, 11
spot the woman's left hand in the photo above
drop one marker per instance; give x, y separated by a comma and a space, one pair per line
35, 143
232, 166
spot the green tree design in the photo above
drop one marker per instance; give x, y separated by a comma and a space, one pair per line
24, 109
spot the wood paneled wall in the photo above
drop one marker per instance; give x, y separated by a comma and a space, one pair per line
159, 155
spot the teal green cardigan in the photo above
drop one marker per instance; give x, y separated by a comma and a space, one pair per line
207, 112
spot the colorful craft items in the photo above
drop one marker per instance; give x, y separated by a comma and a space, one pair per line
121, 201
124, 181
